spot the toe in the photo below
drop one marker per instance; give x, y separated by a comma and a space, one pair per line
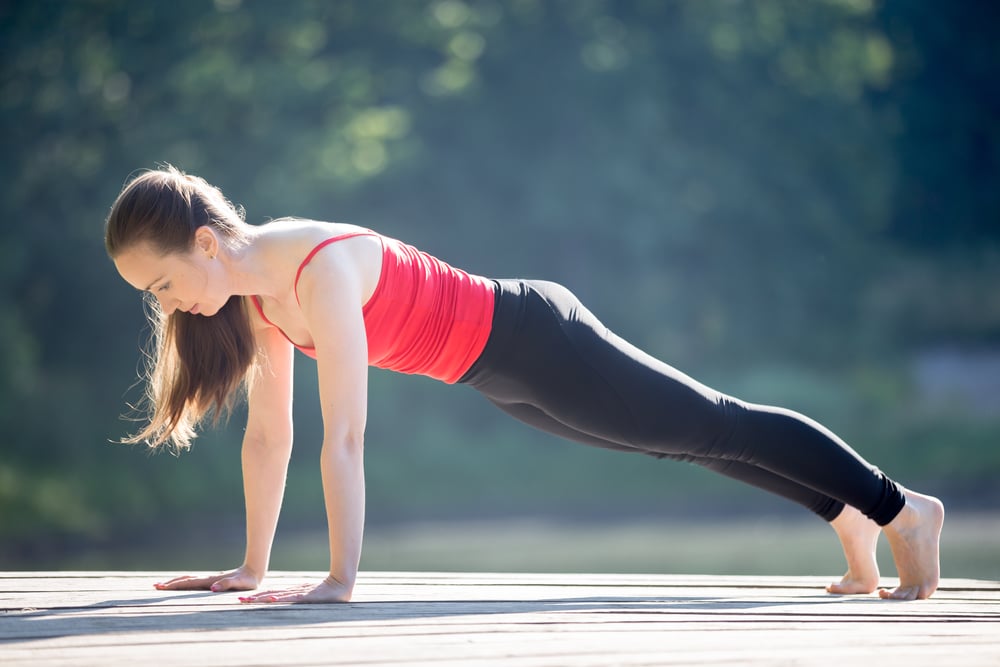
900, 593
836, 589
850, 586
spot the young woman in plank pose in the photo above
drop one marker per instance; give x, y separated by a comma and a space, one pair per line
233, 301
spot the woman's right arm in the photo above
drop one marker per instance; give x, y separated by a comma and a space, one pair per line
267, 447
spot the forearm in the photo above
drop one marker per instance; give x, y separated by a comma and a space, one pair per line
342, 466
265, 468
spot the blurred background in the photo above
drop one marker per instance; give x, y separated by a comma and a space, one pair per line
796, 202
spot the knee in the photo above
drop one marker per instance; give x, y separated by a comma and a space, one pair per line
699, 429
717, 429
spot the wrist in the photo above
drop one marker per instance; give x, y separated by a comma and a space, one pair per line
256, 572
342, 592
337, 582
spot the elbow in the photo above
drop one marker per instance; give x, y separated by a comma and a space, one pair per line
268, 441
343, 447
343, 456
346, 442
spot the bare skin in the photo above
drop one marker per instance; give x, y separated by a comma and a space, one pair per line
330, 590
858, 536
240, 579
203, 279
914, 537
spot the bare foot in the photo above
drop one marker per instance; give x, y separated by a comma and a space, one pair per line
914, 537
858, 536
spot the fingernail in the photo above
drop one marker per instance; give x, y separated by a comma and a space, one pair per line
272, 599
215, 588
244, 599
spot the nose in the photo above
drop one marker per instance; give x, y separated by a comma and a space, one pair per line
167, 305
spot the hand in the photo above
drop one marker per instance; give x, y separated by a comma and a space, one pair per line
240, 579
330, 590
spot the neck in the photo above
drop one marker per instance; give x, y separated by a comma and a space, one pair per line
246, 270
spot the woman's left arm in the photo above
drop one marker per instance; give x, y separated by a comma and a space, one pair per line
330, 298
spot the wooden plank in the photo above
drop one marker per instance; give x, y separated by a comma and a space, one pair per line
409, 618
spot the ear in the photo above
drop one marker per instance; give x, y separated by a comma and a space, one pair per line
206, 241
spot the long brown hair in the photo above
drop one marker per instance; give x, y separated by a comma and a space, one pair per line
194, 365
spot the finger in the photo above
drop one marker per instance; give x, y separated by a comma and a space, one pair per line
283, 595
171, 582
288, 597
259, 598
304, 594
182, 583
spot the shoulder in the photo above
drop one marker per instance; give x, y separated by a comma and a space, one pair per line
293, 246
335, 255
300, 240
291, 231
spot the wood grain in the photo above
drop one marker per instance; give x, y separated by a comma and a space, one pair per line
416, 618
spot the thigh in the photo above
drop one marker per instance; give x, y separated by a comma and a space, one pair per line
552, 353
534, 417
825, 506
549, 352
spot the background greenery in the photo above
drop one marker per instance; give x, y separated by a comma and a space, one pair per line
796, 201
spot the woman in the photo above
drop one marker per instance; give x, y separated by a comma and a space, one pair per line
233, 301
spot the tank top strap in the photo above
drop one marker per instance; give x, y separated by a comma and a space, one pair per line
255, 300
320, 246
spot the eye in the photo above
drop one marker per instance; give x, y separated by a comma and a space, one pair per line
163, 288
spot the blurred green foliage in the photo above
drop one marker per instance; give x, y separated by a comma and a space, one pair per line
797, 201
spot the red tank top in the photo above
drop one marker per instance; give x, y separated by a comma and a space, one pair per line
424, 317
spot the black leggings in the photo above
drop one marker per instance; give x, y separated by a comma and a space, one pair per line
551, 364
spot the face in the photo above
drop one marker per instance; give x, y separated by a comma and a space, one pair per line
188, 282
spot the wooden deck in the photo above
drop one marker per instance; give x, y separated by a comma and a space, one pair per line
117, 618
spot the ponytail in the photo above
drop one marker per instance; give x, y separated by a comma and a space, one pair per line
195, 365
